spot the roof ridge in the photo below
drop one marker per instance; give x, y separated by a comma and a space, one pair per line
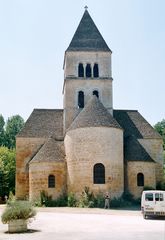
47, 109
126, 110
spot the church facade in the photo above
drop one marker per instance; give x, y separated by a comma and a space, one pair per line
88, 143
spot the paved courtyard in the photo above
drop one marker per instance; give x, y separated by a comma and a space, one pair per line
88, 224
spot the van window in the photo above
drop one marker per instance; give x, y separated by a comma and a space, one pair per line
149, 196
158, 197
161, 197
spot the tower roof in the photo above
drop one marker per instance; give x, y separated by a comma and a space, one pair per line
94, 115
87, 36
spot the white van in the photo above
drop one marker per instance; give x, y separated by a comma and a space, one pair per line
153, 203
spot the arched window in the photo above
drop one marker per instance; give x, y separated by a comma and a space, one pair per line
80, 99
80, 70
99, 174
88, 70
51, 181
140, 179
96, 93
96, 70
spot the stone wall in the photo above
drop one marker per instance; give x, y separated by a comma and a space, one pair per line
25, 150
135, 167
86, 147
72, 60
154, 148
38, 179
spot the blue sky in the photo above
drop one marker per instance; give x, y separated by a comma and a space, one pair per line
34, 35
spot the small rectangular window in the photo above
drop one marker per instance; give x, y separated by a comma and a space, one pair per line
158, 197
149, 196
51, 181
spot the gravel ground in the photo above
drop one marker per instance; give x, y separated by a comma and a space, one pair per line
88, 224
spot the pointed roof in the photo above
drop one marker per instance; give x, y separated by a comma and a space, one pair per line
51, 151
94, 114
87, 37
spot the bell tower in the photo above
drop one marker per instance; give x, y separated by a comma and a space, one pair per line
87, 70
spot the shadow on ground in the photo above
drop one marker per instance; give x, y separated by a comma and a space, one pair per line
28, 231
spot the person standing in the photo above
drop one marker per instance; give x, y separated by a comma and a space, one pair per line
107, 200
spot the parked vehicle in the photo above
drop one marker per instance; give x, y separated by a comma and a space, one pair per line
153, 203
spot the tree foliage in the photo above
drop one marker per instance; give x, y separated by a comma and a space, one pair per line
8, 133
9, 130
160, 128
7, 171
2, 132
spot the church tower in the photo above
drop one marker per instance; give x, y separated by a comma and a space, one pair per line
87, 70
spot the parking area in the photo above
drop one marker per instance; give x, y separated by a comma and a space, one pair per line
88, 224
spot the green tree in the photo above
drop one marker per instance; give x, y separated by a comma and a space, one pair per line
160, 128
13, 127
2, 124
7, 171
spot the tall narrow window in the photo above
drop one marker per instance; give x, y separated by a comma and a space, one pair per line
140, 179
99, 174
96, 70
88, 70
96, 93
51, 181
80, 70
80, 99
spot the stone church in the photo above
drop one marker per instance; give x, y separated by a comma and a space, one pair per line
88, 143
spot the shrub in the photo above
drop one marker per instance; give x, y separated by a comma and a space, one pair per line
127, 196
61, 201
117, 202
148, 188
87, 198
99, 200
160, 185
44, 198
18, 210
72, 201
47, 201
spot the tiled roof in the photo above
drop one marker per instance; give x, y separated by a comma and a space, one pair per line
135, 127
94, 114
134, 151
43, 123
51, 151
87, 37
134, 124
